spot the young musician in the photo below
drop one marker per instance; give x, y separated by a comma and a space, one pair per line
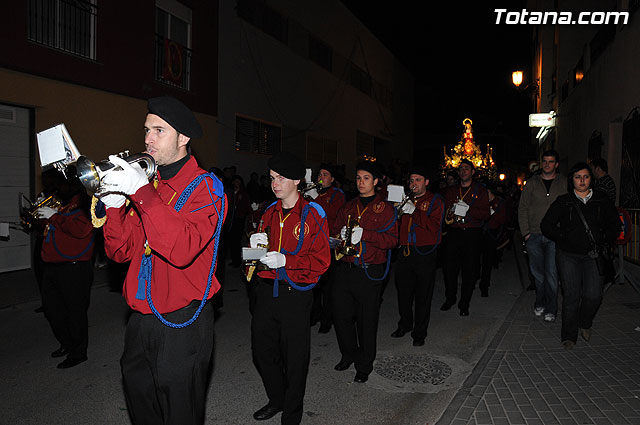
420, 233
359, 278
297, 235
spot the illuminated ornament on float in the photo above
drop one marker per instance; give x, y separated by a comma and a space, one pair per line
467, 149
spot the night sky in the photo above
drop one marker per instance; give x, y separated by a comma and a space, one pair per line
462, 63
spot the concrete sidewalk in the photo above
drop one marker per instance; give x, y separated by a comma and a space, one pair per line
499, 365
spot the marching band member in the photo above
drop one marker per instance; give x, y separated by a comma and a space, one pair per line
331, 199
297, 235
467, 206
359, 278
170, 235
67, 248
420, 234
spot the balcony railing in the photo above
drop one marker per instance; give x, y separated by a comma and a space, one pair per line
68, 25
172, 63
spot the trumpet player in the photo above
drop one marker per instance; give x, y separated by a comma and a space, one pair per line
67, 248
297, 235
331, 199
467, 206
420, 234
171, 249
359, 278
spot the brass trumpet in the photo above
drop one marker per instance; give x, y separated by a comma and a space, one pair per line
411, 197
29, 216
256, 264
91, 174
316, 186
346, 247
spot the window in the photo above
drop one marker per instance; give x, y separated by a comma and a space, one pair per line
68, 25
365, 147
173, 42
360, 79
257, 136
320, 53
258, 14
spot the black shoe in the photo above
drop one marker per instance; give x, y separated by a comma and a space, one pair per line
399, 333
447, 306
71, 362
324, 329
343, 365
361, 377
267, 412
484, 293
464, 312
59, 352
418, 342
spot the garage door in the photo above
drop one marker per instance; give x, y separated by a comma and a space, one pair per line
15, 253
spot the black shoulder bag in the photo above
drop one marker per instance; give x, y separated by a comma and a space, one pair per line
600, 253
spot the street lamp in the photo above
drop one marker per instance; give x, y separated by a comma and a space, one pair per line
516, 77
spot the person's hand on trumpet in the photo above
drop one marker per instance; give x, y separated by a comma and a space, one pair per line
126, 181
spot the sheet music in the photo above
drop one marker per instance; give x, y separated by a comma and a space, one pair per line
55, 145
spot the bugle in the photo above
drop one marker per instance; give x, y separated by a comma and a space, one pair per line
346, 247
91, 173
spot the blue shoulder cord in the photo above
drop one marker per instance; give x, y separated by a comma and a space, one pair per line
146, 266
281, 273
412, 233
364, 249
55, 246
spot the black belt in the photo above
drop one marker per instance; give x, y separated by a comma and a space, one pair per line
359, 266
462, 229
282, 282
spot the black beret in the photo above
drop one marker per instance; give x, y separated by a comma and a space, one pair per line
370, 167
176, 114
469, 163
287, 165
420, 170
327, 167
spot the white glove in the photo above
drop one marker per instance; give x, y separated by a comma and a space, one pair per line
255, 206
343, 232
356, 235
113, 200
128, 180
46, 212
409, 207
274, 260
258, 239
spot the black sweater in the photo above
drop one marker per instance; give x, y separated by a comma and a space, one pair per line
563, 225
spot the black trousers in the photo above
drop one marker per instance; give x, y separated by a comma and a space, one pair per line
66, 291
356, 310
321, 310
415, 279
463, 257
280, 343
489, 258
165, 371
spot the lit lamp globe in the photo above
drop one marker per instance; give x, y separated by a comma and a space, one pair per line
516, 77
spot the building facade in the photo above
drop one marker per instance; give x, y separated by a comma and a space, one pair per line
585, 73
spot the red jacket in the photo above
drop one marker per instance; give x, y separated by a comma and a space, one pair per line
313, 258
331, 201
181, 242
476, 196
424, 226
69, 236
379, 224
